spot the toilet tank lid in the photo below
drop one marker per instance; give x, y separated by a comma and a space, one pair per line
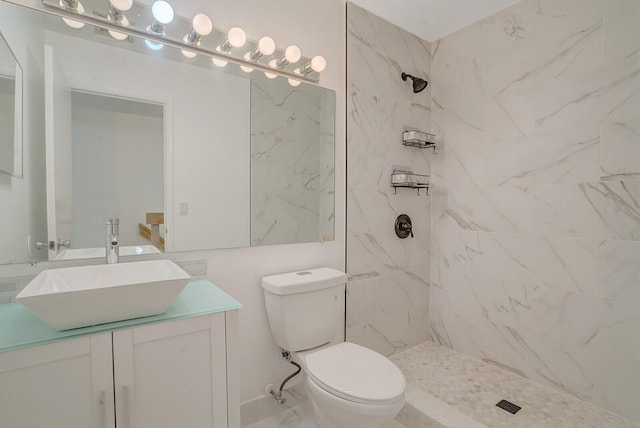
303, 281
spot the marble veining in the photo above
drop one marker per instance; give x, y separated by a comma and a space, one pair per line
388, 287
536, 198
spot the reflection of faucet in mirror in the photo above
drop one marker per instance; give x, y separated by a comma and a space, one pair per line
112, 242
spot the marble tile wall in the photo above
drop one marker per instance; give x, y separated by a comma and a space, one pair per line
535, 257
388, 287
292, 163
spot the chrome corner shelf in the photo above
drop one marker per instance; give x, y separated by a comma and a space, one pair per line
409, 180
419, 139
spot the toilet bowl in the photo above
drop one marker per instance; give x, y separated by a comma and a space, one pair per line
352, 386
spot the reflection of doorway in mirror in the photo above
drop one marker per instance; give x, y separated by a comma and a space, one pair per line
117, 166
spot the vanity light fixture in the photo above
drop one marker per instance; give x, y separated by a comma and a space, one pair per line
74, 6
115, 14
317, 64
202, 26
266, 46
162, 15
236, 38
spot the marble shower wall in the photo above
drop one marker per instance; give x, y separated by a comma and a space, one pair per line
388, 287
292, 163
536, 204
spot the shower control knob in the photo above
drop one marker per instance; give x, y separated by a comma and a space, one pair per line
404, 227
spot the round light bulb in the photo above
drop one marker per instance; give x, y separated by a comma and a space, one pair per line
272, 64
162, 12
246, 69
153, 45
318, 63
202, 24
266, 45
294, 82
236, 37
292, 54
115, 34
70, 22
123, 5
219, 62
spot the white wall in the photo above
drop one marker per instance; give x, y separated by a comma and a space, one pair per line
117, 167
317, 27
536, 234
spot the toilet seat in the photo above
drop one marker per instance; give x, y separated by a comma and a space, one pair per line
355, 373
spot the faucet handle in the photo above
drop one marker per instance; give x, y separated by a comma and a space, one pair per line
60, 243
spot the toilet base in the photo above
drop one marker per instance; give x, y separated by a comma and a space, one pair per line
334, 412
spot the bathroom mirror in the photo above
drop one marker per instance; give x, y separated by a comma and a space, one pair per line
10, 111
229, 159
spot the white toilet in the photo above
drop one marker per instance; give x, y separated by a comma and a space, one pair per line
349, 386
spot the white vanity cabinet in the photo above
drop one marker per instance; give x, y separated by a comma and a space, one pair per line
63, 384
167, 374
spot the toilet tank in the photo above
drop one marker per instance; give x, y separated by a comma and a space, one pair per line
304, 308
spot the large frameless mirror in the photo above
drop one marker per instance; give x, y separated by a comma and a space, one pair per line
202, 157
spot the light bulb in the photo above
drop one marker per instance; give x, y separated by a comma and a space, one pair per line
123, 5
188, 54
219, 62
266, 45
124, 21
318, 63
202, 24
294, 82
270, 75
70, 22
292, 54
244, 68
118, 36
162, 12
153, 45
236, 37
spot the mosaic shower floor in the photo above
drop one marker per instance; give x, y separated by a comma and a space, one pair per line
447, 389
461, 392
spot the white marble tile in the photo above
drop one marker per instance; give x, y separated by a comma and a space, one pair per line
621, 32
599, 210
620, 149
361, 300
619, 273
617, 371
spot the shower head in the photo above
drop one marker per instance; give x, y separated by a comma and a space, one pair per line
419, 84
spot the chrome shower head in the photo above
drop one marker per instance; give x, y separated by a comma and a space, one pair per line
419, 84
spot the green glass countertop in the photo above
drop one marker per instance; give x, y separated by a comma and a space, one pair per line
19, 328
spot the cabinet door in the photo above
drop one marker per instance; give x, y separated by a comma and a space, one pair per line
64, 384
172, 374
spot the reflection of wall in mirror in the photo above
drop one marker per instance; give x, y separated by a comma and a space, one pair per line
22, 200
291, 163
206, 133
7, 118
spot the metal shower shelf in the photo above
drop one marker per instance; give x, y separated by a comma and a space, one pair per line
409, 180
419, 139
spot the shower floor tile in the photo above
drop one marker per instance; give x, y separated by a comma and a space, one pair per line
461, 392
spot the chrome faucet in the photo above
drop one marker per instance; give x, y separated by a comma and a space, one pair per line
112, 246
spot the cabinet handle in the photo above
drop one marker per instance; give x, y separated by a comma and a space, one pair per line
103, 407
126, 410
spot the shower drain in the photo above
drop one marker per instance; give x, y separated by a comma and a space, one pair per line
508, 406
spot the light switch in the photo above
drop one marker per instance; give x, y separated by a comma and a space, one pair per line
184, 208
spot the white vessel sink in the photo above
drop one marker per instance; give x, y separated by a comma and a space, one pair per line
89, 295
